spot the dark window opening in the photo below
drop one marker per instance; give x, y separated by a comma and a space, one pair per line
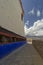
21, 16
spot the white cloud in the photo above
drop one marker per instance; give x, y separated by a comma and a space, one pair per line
38, 13
36, 29
31, 12
26, 30
25, 27
27, 23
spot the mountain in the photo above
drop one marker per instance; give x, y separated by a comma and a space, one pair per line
35, 37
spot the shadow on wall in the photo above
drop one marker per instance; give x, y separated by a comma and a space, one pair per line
5, 49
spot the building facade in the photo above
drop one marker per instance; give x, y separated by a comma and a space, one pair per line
11, 20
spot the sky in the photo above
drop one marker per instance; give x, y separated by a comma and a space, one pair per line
33, 17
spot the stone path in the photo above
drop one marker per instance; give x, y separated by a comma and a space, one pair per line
27, 55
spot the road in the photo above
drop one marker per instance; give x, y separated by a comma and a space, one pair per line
27, 55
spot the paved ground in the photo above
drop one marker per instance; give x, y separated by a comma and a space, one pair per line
26, 55
38, 44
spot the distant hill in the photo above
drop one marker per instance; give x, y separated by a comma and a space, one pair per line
35, 37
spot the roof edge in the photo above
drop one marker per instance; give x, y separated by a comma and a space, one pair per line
21, 7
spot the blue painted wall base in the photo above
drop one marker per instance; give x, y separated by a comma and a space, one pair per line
5, 49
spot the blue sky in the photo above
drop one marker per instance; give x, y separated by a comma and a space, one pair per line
33, 16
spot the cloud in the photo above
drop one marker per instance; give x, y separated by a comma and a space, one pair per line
27, 23
26, 27
38, 13
26, 30
36, 29
31, 12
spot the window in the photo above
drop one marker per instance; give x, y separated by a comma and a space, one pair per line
21, 16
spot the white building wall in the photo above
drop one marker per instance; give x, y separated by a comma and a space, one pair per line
10, 16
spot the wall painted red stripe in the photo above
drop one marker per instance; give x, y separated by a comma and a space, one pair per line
11, 35
6, 34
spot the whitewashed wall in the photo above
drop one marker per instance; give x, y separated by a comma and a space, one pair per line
10, 16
